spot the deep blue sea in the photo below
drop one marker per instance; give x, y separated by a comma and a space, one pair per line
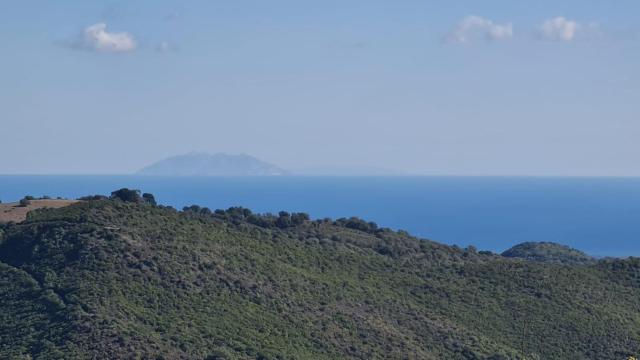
598, 215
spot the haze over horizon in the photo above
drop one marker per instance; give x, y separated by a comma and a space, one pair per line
432, 88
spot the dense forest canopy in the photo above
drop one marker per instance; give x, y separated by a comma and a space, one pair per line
122, 277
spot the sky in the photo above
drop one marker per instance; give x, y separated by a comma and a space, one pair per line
545, 88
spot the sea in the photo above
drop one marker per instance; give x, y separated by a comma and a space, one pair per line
600, 216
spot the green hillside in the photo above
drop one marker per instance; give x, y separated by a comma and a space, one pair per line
107, 279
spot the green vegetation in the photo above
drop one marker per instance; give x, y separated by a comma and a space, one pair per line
113, 279
127, 195
149, 198
548, 252
24, 202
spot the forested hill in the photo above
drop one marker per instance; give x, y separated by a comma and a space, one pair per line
548, 252
109, 279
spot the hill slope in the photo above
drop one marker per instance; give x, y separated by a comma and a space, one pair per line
16, 212
201, 164
108, 279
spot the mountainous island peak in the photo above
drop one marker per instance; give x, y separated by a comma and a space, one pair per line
219, 164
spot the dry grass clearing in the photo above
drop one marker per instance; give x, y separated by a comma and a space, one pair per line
17, 213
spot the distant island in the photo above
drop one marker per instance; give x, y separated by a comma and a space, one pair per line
220, 164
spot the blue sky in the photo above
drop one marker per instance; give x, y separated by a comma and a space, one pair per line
424, 87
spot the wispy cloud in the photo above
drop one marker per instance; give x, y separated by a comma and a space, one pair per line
475, 26
97, 38
559, 29
565, 30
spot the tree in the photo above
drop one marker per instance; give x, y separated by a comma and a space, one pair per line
25, 202
284, 220
92, 198
192, 208
127, 195
358, 224
299, 218
149, 198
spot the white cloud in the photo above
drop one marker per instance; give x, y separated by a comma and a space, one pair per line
97, 38
473, 25
560, 29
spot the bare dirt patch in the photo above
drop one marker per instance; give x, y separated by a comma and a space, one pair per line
17, 213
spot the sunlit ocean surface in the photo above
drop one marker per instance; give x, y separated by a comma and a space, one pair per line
598, 215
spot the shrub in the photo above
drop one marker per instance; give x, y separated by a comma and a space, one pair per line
127, 195
284, 220
192, 208
265, 221
92, 198
299, 218
238, 212
358, 224
149, 198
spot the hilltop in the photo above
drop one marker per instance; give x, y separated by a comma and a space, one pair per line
548, 252
105, 278
203, 164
